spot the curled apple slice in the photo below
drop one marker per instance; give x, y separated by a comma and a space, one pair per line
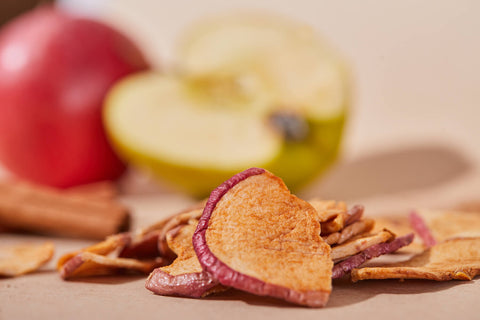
257, 237
184, 277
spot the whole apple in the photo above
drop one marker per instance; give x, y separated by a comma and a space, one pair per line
55, 70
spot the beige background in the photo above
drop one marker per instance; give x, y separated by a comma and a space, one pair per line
412, 141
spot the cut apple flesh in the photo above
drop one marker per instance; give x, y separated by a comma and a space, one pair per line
289, 59
157, 116
257, 237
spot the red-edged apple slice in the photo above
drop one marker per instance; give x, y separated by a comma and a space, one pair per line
184, 277
88, 264
354, 246
342, 268
453, 259
257, 237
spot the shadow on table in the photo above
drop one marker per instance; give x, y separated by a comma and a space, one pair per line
251, 299
113, 279
346, 293
394, 171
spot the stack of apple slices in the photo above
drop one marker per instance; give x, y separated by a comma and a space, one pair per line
251, 90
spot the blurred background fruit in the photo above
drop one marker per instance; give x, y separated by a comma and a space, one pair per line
55, 70
249, 90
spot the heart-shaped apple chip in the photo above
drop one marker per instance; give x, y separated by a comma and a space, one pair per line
255, 236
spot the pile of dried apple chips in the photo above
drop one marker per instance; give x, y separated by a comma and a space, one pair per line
253, 235
451, 241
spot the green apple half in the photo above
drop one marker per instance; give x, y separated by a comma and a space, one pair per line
279, 106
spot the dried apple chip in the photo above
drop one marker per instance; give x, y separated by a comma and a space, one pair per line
334, 216
328, 209
401, 226
357, 245
151, 241
354, 214
110, 244
24, 258
87, 264
452, 224
342, 220
433, 225
342, 268
176, 221
398, 224
457, 259
142, 246
418, 224
334, 225
95, 260
257, 237
350, 231
185, 276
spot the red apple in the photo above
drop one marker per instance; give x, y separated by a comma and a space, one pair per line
55, 70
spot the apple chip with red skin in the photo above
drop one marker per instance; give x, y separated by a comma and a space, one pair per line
101, 259
105, 247
457, 259
354, 246
185, 276
255, 236
151, 242
87, 264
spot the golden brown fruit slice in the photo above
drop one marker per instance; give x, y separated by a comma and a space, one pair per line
87, 264
103, 248
257, 237
151, 241
328, 209
443, 225
350, 231
25, 258
457, 259
181, 219
100, 259
400, 225
334, 216
342, 268
185, 276
357, 245
452, 224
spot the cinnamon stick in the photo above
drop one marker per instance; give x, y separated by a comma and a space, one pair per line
103, 190
29, 207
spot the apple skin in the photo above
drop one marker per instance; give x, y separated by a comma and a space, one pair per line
55, 70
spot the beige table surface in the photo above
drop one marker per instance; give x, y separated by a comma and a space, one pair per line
411, 142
